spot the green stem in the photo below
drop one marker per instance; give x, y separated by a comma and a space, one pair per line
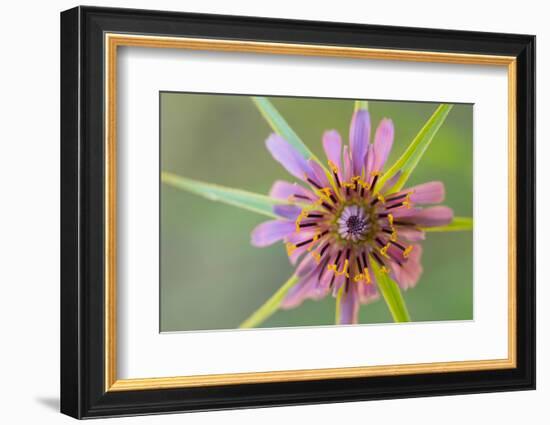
392, 295
270, 306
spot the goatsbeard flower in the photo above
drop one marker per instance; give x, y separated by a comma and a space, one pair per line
341, 224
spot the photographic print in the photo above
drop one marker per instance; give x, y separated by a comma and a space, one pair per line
286, 211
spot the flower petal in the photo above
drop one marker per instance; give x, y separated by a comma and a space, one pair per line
383, 141
349, 307
410, 234
287, 156
427, 193
408, 274
434, 216
332, 143
347, 164
284, 190
269, 232
319, 175
298, 293
290, 212
359, 135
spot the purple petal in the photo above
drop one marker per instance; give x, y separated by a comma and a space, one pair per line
269, 232
434, 216
285, 191
332, 143
383, 141
411, 234
319, 175
287, 156
428, 193
349, 306
390, 182
290, 212
359, 135
306, 266
298, 293
408, 274
298, 237
347, 164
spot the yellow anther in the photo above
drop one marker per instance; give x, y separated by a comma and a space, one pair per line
315, 238
332, 267
384, 269
393, 236
390, 219
363, 184
290, 248
407, 201
350, 185
367, 275
326, 191
381, 198
333, 166
384, 250
408, 251
358, 277
301, 216
375, 173
316, 256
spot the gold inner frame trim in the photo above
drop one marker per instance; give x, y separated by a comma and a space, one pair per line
113, 41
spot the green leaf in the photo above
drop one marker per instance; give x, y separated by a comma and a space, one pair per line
414, 152
270, 306
338, 306
361, 104
391, 294
457, 225
281, 127
260, 204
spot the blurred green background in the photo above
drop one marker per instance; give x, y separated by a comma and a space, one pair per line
212, 278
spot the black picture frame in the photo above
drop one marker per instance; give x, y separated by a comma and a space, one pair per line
83, 392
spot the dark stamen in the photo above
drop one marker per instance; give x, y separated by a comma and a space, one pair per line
323, 249
374, 202
403, 223
380, 242
327, 206
301, 197
388, 231
332, 281
315, 215
336, 178
377, 258
308, 225
338, 258
383, 215
364, 256
374, 180
313, 183
347, 285
400, 204
396, 198
298, 245
398, 245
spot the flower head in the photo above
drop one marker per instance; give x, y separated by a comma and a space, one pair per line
342, 223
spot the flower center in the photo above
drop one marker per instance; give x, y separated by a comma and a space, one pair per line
353, 223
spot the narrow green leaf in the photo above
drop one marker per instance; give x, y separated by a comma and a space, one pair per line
361, 104
281, 127
338, 306
414, 152
391, 294
270, 306
260, 204
457, 225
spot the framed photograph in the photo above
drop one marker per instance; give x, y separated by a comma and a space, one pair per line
261, 212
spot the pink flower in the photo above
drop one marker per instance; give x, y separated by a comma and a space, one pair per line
341, 223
